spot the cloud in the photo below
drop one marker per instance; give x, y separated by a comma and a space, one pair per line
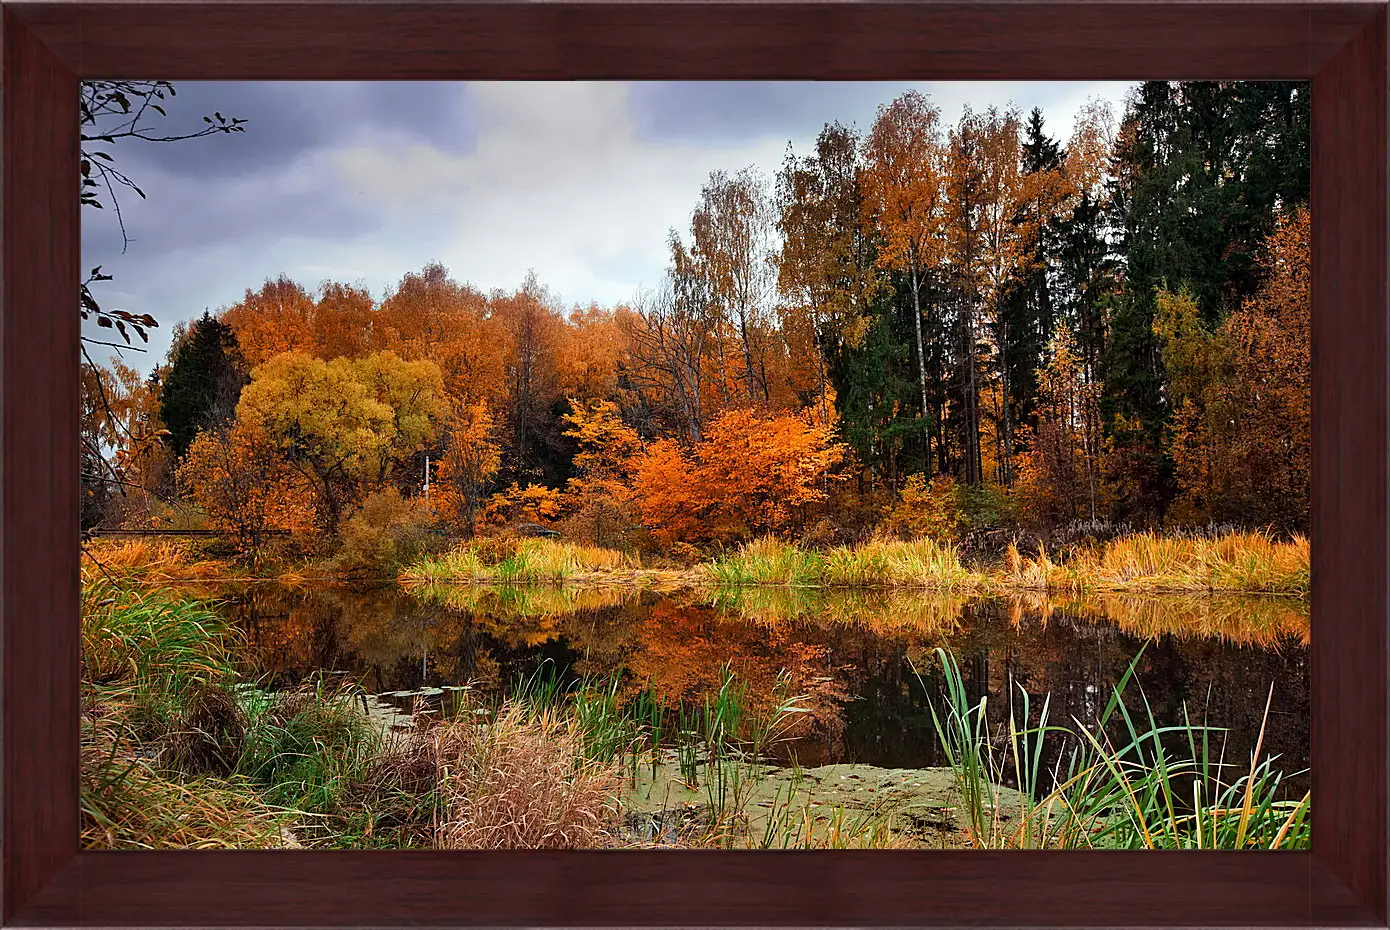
361, 183
558, 181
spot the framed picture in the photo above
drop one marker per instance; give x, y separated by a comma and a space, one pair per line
949, 518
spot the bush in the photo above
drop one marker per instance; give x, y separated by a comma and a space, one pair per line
387, 532
923, 509
987, 507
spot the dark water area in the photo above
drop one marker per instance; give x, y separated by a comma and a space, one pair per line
853, 654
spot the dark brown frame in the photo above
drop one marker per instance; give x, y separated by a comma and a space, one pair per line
49, 46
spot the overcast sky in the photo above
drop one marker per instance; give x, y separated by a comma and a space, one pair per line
362, 182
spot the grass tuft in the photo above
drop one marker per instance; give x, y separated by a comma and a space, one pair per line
921, 563
531, 561
1245, 562
1137, 791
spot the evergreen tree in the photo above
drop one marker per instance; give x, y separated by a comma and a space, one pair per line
1028, 305
1203, 171
877, 390
204, 381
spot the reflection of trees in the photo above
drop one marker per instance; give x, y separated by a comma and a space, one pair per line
886, 610
853, 652
1077, 663
682, 651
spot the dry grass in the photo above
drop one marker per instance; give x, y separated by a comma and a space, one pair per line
521, 782
458, 566
150, 561
531, 561
1243, 562
127, 804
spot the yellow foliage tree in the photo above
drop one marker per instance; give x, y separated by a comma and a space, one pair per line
1059, 476
601, 495
471, 460
344, 424
923, 508
534, 503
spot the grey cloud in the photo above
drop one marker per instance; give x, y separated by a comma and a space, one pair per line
718, 112
287, 120
722, 111
226, 212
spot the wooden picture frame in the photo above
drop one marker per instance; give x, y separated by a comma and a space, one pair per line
49, 46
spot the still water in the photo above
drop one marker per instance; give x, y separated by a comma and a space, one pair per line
855, 655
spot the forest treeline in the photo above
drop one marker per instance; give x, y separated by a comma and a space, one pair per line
932, 327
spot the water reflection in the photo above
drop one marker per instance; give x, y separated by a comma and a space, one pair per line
852, 652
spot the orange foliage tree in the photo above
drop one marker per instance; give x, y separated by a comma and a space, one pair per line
589, 355
750, 474
905, 201
602, 491
1058, 477
240, 480
432, 317
534, 503
1240, 433
277, 318
470, 462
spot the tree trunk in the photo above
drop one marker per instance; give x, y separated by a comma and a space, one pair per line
922, 366
973, 462
1007, 421
748, 353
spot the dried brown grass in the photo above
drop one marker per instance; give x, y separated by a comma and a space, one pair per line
520, 781
151, 561
126, 803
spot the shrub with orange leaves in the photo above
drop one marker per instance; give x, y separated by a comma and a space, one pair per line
751, 474
240, 480
534, 503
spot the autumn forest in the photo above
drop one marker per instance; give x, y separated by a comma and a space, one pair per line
1036, 370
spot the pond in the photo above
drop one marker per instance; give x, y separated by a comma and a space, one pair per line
854, 654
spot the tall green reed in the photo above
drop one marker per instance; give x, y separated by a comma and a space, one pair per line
1131, 791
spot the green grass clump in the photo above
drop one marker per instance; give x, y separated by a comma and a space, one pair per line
766, 561
150, 649
463, 564
531, 561
921, 563
205, 760
307, 749
1136, 791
